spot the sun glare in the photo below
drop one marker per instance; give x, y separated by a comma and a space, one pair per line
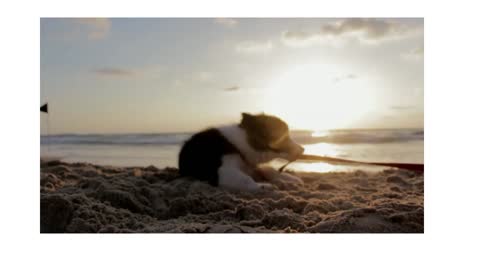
319, 97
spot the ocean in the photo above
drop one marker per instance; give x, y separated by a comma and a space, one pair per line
161, 150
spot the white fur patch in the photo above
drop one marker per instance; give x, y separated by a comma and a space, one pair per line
273, 175
231, 175
238, 137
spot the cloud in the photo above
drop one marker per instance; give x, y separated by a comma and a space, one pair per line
110, 71
228, 22
364, 29
370, 29
147, 71
346, 77
301, 38
233, 88
254, 46
97, 28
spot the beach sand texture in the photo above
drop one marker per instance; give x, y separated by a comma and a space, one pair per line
87, 198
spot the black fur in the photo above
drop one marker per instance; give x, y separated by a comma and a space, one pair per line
201, 155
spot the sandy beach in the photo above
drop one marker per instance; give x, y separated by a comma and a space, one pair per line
87, 198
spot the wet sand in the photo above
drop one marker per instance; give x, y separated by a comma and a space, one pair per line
87, 198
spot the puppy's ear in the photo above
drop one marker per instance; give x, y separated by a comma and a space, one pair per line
247, 119
246, 115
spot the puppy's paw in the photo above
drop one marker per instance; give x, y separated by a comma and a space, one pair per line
267, 173
291, 178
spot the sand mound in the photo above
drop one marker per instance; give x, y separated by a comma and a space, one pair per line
82, 197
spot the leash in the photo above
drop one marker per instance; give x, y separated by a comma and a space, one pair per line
406, 166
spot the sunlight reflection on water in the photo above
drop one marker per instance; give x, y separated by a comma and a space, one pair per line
323, 149
409, 152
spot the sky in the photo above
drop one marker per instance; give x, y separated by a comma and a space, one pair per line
146, 75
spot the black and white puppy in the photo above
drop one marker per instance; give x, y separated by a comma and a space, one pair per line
231, 156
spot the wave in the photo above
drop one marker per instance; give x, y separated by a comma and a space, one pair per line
117, 139
302, 137
359, 136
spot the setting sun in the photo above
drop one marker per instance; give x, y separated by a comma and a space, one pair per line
318, 97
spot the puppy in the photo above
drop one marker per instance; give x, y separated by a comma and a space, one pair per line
230, 156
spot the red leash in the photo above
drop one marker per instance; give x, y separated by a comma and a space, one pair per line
406, 166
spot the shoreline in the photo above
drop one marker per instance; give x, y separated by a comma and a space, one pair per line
88, 198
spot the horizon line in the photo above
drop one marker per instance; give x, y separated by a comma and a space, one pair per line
191, 132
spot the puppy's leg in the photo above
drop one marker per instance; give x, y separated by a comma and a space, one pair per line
273, 175
268, 172
231, 176
291, 178
234, 179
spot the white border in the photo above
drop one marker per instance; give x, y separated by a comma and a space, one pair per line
451, 146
